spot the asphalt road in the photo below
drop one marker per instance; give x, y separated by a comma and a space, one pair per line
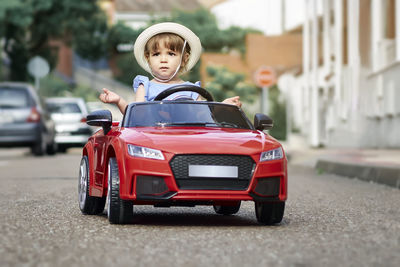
329, 221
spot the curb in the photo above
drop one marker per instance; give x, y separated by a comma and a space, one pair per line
379, 174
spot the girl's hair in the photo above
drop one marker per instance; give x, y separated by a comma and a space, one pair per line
171, 41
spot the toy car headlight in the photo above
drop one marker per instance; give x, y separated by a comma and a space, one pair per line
144, 152
273, 154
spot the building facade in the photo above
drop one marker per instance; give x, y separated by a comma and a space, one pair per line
348, 92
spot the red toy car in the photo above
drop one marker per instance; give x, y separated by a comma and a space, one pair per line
182, 153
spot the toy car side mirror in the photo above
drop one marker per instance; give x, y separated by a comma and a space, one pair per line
102, 118
262, 122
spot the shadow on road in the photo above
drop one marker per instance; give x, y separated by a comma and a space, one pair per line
194, 218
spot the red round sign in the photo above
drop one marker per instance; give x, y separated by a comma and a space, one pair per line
265, 76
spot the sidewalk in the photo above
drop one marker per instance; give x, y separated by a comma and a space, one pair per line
376, 165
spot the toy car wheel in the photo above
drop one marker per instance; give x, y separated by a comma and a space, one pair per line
269, 212
227, 210
119, 211
88, 204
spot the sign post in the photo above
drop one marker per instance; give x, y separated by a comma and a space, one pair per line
38, 68
265, 77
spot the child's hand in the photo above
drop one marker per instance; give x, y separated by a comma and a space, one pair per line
109, 97
233, 101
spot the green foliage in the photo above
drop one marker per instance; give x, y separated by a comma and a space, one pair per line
194, 74
85, 92
92, 43
277, 113
4, 5
125, 61
128, 68
19, 57
227, 84
121, 34
27, 28
52, 86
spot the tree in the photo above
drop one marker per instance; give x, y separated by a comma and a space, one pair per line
28, 27
121, 34
4, 6
128, 68
91, 42
227, 84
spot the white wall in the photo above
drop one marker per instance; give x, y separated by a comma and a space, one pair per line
357, 107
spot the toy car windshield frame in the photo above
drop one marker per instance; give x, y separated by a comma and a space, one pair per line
185, 114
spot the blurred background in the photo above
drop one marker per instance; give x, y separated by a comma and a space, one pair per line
326, 71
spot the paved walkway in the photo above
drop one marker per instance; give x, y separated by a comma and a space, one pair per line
376, 165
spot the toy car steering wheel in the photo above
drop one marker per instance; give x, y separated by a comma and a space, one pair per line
185, 87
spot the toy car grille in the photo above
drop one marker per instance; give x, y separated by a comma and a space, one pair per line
180, 168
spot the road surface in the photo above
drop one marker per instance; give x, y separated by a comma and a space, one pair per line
329, 221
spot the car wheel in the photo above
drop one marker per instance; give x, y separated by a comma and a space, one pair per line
39, 148
269, 212
88, 204
52, 148
119, 211
227, 210
62, 148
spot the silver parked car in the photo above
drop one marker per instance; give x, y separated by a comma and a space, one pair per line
24, 121
69, 114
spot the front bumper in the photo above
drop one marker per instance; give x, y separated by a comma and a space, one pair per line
146, 180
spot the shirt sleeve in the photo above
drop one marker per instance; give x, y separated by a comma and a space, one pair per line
139, 79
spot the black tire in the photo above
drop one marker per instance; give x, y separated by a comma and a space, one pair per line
269, 212
88, 204
52, 148
39, 148
227, 210
62, 148
119, 211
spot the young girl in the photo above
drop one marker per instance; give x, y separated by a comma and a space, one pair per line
165, 50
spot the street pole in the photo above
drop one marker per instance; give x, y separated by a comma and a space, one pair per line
37, 83
38, 68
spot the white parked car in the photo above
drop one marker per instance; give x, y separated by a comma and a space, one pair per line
69, 114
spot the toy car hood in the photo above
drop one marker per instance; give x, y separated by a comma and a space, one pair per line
210, 140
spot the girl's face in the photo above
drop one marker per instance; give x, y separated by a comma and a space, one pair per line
163, 61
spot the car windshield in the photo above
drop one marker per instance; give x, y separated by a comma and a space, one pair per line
198, 113
66, 107
13, 97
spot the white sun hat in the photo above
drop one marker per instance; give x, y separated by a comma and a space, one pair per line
167, 27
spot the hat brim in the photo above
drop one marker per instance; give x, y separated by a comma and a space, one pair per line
167, 27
